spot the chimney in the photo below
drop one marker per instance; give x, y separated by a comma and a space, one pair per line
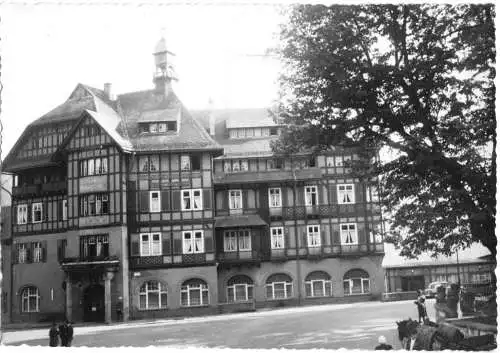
108, 91
211, 117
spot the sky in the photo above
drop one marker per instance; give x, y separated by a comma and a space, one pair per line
46, 50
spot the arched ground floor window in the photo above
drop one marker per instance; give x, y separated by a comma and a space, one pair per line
30, 300
356, 281
318, 284
152, 295
239, 289
279, 286
194, 292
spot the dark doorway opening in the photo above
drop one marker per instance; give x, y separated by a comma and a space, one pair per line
412, 283
93, 302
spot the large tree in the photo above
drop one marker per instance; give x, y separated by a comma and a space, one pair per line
415, 80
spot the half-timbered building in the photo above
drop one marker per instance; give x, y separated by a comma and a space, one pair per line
131, 206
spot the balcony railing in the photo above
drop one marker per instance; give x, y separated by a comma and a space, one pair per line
54, 187
303, 212
238, 256
267, 176
76, 259
358, 249
26, 190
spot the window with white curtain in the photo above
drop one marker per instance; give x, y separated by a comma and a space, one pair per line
313, 236
193, 242
311, 195
191, 200
345, 193
348, 233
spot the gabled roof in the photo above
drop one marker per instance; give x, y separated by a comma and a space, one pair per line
191, 135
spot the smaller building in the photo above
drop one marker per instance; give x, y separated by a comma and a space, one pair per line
474, 265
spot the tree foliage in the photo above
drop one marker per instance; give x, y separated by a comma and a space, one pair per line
416, 80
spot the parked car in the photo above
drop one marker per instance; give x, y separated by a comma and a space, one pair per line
431, 290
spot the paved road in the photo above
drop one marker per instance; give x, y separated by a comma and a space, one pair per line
328, 326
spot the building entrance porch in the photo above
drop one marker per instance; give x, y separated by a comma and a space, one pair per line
88, 291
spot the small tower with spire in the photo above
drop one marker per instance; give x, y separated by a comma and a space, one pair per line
163, 74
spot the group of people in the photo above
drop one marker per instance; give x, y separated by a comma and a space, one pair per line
64, 331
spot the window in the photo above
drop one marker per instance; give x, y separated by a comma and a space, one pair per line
239, 289
172, 125
318, 284
244, 165
22, 253
94, 205
274, 197
194, 293
22, 214
154, 201
230, 241
191, 200
152, 295
372, 194
277, 238
162, 127
273, 131
235, 199
311, 195
192, 242
348, 234
30, 299
330, 161
339, 161
151, 244
150, 163
279, 286
153, 128
345, 193
313, 236
37, 212
242, 238
65, 210
94, 166
356, 282
94, 246
37, 252
227, 166
185, 163
274, 163
192, 162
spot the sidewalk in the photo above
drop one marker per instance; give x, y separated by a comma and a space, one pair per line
10, 337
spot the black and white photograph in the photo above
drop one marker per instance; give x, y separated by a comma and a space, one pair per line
248, 175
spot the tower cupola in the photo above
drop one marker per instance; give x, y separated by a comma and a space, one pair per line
164, 73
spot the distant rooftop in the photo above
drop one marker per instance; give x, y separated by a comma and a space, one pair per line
474, 254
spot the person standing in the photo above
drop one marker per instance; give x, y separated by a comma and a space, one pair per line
422, 311
383, 346
53, 335
69, 333
66, 333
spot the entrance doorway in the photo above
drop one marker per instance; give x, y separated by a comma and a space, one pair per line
93, 303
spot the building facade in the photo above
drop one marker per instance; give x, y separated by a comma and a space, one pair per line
131, 206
